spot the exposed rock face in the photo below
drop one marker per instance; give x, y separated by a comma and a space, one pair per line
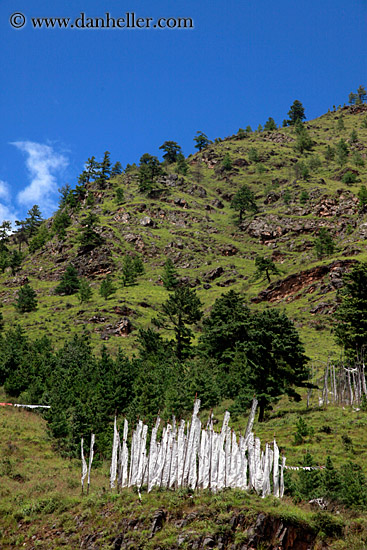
96, 262
265, 531
288, 288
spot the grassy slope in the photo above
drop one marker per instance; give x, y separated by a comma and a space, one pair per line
196, 246
41, 505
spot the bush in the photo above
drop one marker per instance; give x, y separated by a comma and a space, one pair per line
349, 177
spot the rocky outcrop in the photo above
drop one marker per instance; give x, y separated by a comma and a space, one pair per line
292, 286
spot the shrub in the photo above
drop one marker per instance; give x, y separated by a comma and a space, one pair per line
349, 177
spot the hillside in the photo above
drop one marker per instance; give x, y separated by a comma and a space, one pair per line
189, 219
42, 505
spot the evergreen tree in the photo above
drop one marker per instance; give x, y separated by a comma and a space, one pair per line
362, 94
132, 267
181, 165
85, 292
39, 239
179, 312
107, 288
324, 243
149, 170
329, 153
351, 315
340, 124
362, 195
64, 195
342, 152
61, 221
296, 113
116, 169
1, 322
352, 98
253, 155
303, 141
270, 125
227, 162
27, 299
15, 261
171, 151
169, 276
69, 282
353, 136
201, 141
331, 480
91, 169
5, 231
105, 169
33, 220
89, 238
244, 201
119, 195
265, 266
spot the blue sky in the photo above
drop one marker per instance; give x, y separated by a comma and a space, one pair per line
68, 94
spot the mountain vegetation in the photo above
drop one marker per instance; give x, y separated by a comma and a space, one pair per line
239, 270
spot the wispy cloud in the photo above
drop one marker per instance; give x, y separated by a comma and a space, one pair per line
44, 164
6, 210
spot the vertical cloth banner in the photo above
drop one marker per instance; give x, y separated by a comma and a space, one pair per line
91, 454
84, 465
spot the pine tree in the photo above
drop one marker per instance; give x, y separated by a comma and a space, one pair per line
116, 169
27, 299
131, 268
324, 243
107, 288
270, 125
181, 165
171, 151
85, 292
89, 238
169, 276
227, 162
179, 312
244, 201
201, 141
342, 152
265, 266
296, 113
69, 282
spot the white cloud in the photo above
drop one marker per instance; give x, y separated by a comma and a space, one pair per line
4, 191
43, 164
6, 210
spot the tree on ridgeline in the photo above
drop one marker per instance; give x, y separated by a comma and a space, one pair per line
270, 125
171, 151
201, 141
116, 169
296, 113
149, 170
